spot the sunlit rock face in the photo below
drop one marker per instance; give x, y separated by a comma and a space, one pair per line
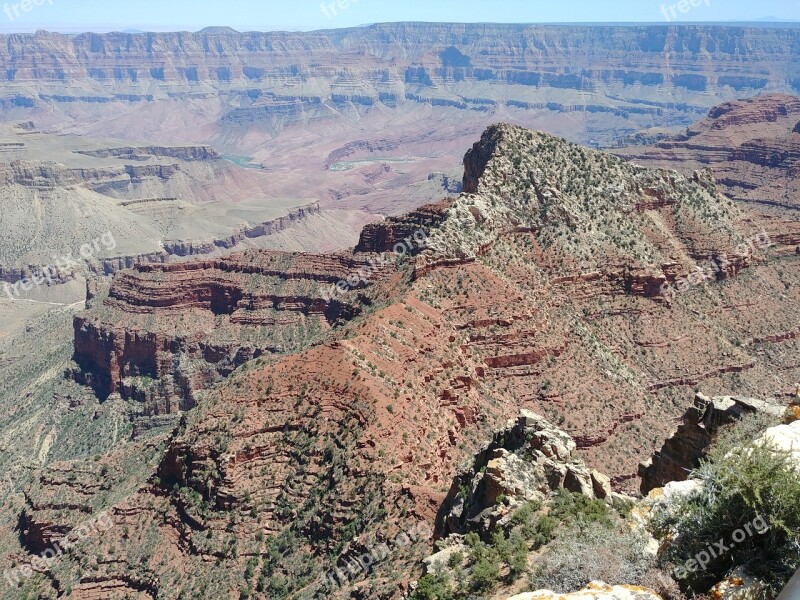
594, 591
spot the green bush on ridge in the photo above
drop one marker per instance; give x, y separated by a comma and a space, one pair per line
742, 484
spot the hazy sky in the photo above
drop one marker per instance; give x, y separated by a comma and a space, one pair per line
248, 15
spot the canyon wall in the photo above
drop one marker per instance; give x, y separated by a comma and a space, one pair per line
752, 145
665, 73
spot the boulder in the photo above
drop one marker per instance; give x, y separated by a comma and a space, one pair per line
579, 480
792, 413
601, 485
738, 586
786, 438
441, 559
596, 590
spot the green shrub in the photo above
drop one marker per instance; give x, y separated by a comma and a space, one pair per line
577, 509
433, 586
537, 529
515, 554
741, 486
743, 432
456, 559
542, 531
486, 570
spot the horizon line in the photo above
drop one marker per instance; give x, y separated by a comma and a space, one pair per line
134, 30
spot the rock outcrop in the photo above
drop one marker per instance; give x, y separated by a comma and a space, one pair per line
47, 176
597, 590
187, 153
682, 452
407, 233
524, 462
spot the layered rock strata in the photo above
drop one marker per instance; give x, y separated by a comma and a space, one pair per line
148, 338
752, 145
390, 65
524, 297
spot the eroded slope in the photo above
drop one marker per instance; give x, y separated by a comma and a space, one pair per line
539, 289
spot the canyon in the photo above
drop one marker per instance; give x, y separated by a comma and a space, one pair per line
155, 203
753, 146
363, 122
538, 287
264, 377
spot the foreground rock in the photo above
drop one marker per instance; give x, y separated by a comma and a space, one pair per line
739, 586
594, 591
524, 462
785, 439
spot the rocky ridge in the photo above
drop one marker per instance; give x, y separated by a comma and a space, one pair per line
751, 144
525, 296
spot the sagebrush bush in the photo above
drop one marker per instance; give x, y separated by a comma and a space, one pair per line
592, 552
741, 485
